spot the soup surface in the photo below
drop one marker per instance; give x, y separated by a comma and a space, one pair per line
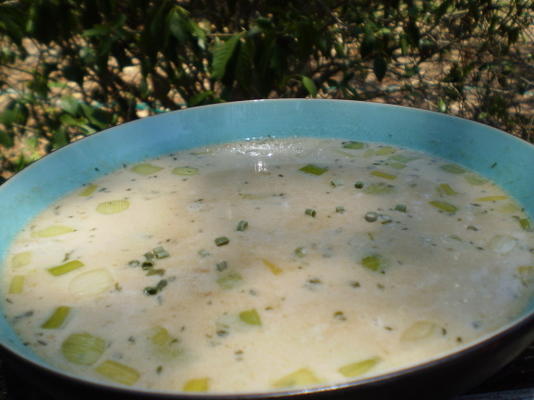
268, 264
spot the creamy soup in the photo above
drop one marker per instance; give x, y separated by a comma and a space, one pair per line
268, 264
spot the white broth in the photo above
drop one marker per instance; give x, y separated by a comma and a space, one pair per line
268, 264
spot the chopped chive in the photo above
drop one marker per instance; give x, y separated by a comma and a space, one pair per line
444, 206
161, 284
160, 252
353, 145
196, 385
401, 208
358, 368
241, 226
452, 169
382, 174
57, 319
301, 377
250, 317
446, 189
313, 169
275, 269
373, 262
65, 268
145, 169
311, 212
16, 286
229, 280
371, 216
88, 190
221, 241
83, 348
300, 252
359, 185
185, 171
340, 316
340, 209
54, 230
118, 372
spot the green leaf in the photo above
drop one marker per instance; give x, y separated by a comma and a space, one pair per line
222, 55
309, 85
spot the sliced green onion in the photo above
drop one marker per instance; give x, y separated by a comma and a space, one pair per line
419, 330
353, 145
250, 317
301, 377
21, 259
359, 185
197, 385
340, 209
371, 216
91, 283
229, 280
88, 190
113, 206
145, 169
358, 368
382, 174
311, 212
452, 169
57, 319
313, 169
185, 171
118, 372
445, 189
65, 268
443, 206
475, 179
221, 241
54, 230
160, 252
16, 286
241, 226
83, 348
378, 188
275, 269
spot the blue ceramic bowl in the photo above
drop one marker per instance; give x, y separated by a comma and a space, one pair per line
494, 154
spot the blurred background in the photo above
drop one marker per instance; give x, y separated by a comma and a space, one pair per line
69, 68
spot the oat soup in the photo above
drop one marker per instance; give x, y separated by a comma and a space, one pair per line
268, 264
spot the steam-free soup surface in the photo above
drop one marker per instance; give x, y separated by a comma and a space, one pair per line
268, 264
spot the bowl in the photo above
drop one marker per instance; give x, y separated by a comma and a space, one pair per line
494, 154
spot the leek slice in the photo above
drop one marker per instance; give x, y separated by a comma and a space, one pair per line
358, 368
54, 230
145, 169
17, 284
91, 283
444, 206
57, 319
83, 348
197, 385
118, 372
275, 269
229, 279
352, 145
65, 268
313, 169
385, 175
378, 188
21, 259
113, 206
491, 198
452, 169
419, 330
445, 189
88, 190
185, 171
301, 377
250, 317
163, 344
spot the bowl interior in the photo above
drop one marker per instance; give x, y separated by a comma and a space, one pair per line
494, 154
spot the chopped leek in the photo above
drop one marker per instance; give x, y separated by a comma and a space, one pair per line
145, 169
385, 175
250, 317
358, 368
91, 283
419, 330
185, 171
164, 345
371, 216
57, 319
445, 189
83, 348
16, 285
301, 377
54, 230
65, 268
491, 198
444, 206
475, 179
229, 279
374, 262
378, 188
21, 259
353, 145
118, 372
221, 241
452, 169
275, 269
313, 169
197, 385
113, 206
241, 226
88, 190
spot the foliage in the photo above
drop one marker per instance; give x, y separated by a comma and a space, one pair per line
70, 68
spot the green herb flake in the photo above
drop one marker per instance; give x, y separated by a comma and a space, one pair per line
57, 319
373, 262
310, 212
384, 175
250, 317
65, 268
525, 224
352, 145
300, 252
221, 241
241, 226
340, 209
444, 206
88, 190
185, 171
313, 169
401, 208
452, 168
359, 185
